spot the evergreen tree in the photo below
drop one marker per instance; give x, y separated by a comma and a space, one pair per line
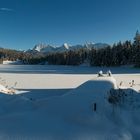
137, 39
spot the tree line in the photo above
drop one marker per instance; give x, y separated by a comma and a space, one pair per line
126, 53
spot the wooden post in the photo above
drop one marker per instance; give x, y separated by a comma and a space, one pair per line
95, 106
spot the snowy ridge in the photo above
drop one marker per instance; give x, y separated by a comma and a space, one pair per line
65, 47
43, 48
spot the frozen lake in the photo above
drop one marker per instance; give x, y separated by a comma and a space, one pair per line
55, 69
61, 77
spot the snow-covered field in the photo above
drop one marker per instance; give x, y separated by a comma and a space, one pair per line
59, 104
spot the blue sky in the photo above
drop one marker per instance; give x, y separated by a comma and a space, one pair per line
24, 23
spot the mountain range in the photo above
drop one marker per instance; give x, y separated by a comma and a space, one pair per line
43, 48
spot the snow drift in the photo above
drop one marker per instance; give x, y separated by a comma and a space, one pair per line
86, 112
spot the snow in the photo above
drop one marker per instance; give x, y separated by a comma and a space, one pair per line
66, 45
60, 105
7, 62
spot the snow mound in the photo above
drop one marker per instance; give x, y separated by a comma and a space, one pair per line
87, 110
96, 85
97, 109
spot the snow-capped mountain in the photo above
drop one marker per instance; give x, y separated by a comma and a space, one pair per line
43, 48
64, 47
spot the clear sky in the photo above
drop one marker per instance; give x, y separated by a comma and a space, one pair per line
24, 23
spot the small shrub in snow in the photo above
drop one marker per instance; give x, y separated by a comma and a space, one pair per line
116, 96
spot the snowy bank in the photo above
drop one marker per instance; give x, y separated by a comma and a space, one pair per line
86, 112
